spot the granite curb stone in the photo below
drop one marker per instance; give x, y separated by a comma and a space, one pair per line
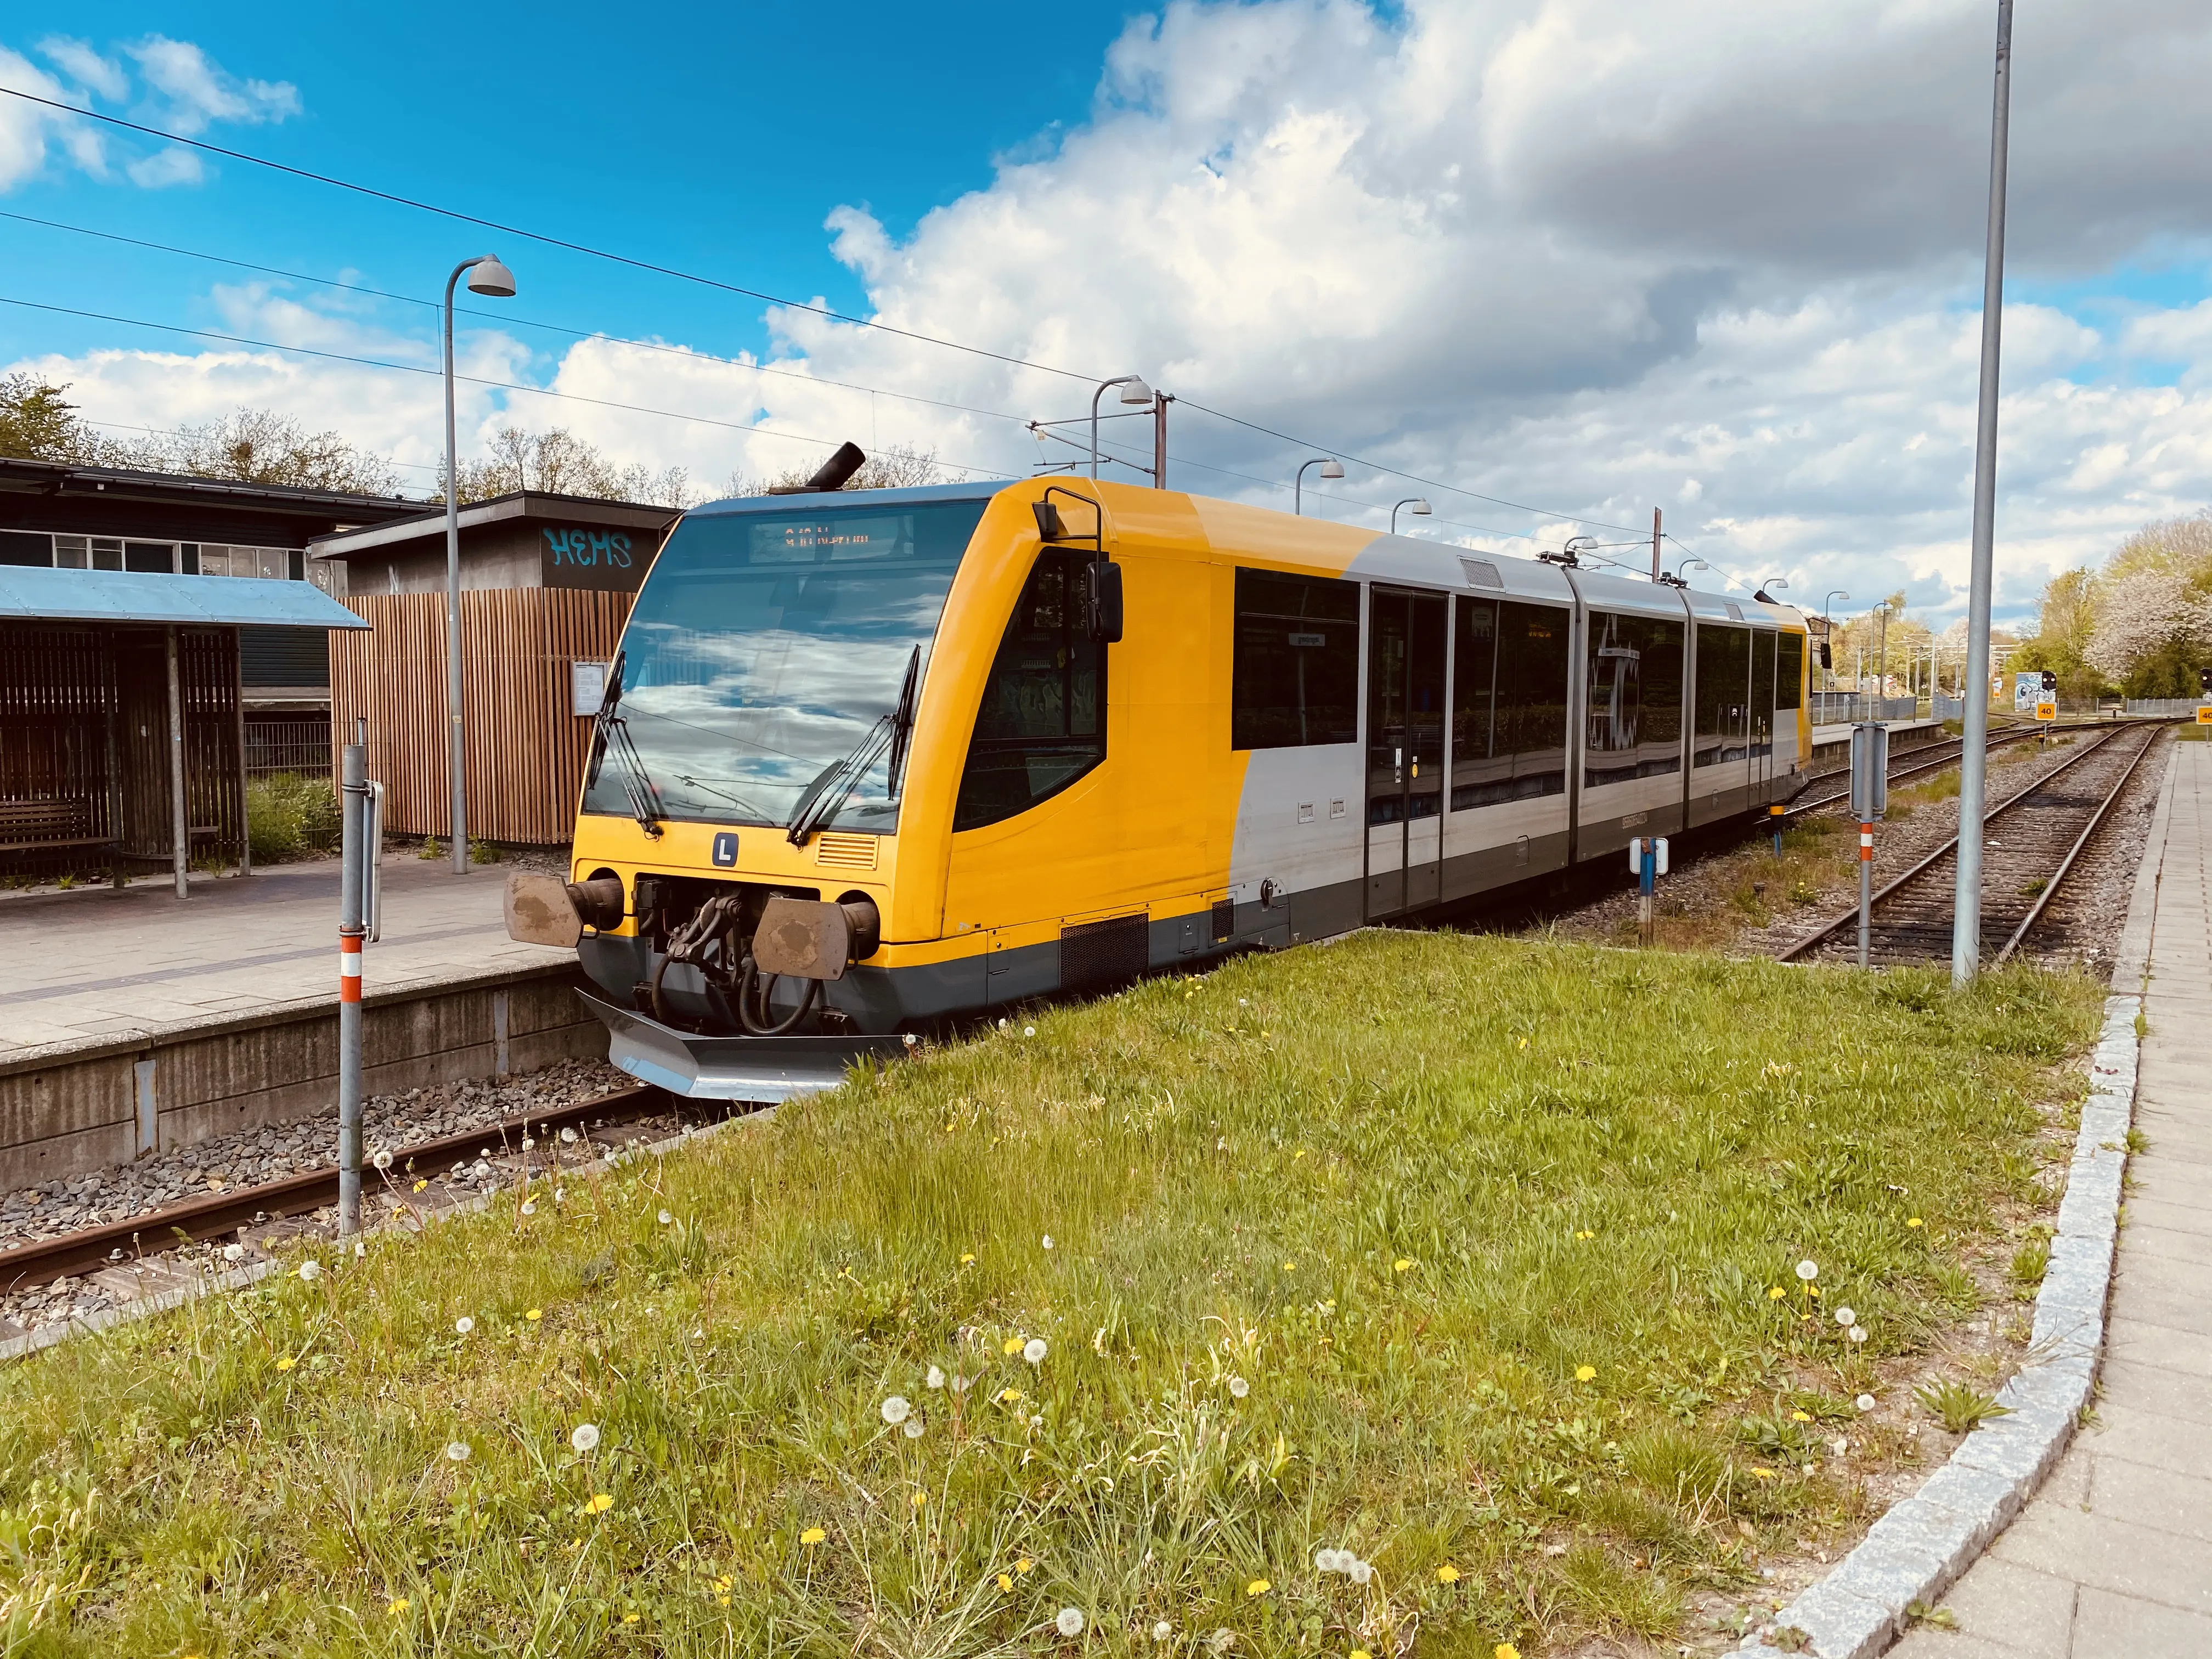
1925, 1542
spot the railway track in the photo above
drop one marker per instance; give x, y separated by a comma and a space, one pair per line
1912, 763
143, 1237
2031, 841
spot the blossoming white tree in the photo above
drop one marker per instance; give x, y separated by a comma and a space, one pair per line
2145, 613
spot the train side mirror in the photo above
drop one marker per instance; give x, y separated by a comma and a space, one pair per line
1050, 527
1102, 592
1826, 660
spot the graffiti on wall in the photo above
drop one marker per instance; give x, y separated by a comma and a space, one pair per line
589, 547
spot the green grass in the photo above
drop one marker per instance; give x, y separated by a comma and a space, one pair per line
1455, 1253
289, 815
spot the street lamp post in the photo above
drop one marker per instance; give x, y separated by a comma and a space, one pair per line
1683, 569
1417, 505
1330, 468
486, 276
1134, 392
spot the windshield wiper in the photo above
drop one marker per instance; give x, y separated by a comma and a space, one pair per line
613, 732
837, 781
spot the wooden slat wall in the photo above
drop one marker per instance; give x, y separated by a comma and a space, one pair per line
527, 752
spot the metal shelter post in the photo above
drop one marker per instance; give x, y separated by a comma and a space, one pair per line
1973, 762
180, 834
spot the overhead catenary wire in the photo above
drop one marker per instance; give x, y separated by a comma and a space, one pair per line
679, 273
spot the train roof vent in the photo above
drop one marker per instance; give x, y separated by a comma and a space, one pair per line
1735, 610
1480, 573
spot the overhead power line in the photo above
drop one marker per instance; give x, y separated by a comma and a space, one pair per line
655, 268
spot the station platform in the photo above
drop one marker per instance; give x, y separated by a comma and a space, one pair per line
2114, 1555
95, 964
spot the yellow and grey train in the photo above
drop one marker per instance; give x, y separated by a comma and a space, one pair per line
871, 759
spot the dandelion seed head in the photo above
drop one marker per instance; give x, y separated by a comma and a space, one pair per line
311, 1270
1028, 1030
464, 1325
1809, 1271
1360, 1572
1069, 1622
567, 1137
585, 1438
530, 1207
665, 1218
233, 1253
1865, 1402
913, 1429
1239, 1388
896, 1410
935, 1379
1048, 1240
1846, 1318
382, 1160
457, 1450
1161, 1631
1222, 1639
1033, 1351
1857, 1333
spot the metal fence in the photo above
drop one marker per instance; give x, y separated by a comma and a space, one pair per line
301, 745
2167, 706
1839, 708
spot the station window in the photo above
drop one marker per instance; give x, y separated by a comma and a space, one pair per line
1043, 721
1635, 699
1295, 679
1508, 701
26, 547
1723, 693
1789, 679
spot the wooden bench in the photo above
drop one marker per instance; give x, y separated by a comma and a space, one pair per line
53, 826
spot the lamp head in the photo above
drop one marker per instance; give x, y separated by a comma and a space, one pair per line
1332, 469
1135, 392
487, 275
1418, 508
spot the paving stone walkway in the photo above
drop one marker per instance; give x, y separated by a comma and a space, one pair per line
2112, 1560
94, 963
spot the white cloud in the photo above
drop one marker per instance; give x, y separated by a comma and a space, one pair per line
173, 165
26, 128
103, 76
198, 91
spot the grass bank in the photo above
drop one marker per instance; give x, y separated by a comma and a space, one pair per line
1472, 1259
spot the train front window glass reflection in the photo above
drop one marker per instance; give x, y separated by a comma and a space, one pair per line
1634, 699
1294, 678
1724, 688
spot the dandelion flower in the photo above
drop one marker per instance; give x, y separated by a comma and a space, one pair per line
1239, 1388
1403, 1264
1258, 1587
1048, 1240
1448, 1574
919, 1499
1161, 1631
1800, 1417
1764, 1473
1846, 1318
629, 1619
397, 1606
535, 1315
1069, 1622
1012, 1344
285, 1363
913, 1429
1024, 1565
1865, 1402
967, 1257
233, 1253
1033, 1351
464, 1325
420, 1185
665, 1218
311, 1270
1585, 1373
1809, 1271
1009, 1396
1006, 1583
1505, 1650
812, 1536
457, 1450
601, 1503
896, 1410
585, 1438
1775, 1294
935, 1379
1912, 1221
1857, 1333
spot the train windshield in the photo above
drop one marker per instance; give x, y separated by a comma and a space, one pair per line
771, 665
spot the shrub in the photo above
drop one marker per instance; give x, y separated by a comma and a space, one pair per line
291, 816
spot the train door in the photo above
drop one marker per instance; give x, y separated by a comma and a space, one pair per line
1405, 749
1762, 717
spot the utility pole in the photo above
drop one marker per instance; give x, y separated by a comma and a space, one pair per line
1967, 905
1654, 543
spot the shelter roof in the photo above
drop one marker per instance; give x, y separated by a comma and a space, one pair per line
517, 505
28, 593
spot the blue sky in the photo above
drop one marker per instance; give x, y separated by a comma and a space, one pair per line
1720, 257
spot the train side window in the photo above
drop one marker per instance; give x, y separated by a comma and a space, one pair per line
1042, 723
1529, 720
1762, 693
1789, 677
1635, 701
1476, 768
1723, 686
1294, 681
